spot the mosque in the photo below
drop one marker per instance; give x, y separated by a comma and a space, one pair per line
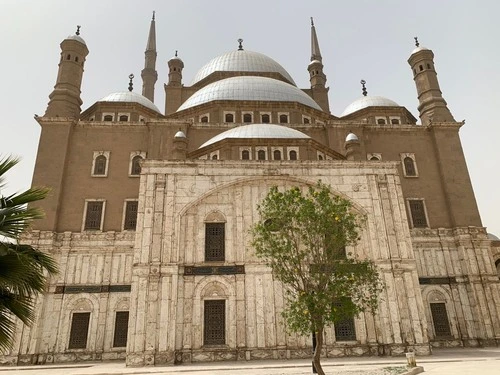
150, 208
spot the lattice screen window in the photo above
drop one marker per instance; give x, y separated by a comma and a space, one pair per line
79, 330
417, 211
93, 215
130, 220
440, 320
214, 242
345, 330
121, 329
214, 332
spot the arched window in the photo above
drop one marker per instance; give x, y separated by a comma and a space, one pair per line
247, 117
395, 121
204, 119
108, 118
261, 155
135, 168
214, 157
409, 165
381, 121
68, 57
293, 155
420, 67
283, 119
320, 157
100, 165
307, 120
245, 155
428, 66
123, 118
374, 158
229, 117
76, 58
277, 155
266, 119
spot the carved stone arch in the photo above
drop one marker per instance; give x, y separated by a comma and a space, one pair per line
123, 304
435, 293
78, 302
209, 285
215, 217
440, 312
248, 180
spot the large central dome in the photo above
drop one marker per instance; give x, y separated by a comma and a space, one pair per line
249, 88
242, 61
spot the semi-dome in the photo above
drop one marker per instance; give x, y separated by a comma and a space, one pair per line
264, 131
249, 88
241, 61
130, 97
368, 101
351, 137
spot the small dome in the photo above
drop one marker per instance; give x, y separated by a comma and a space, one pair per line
241, 61
314, 62
130, 97
180, 134
177, 60
265, 131
249, 88
368, 101
492, 237
351, 137
77, 38
418, 49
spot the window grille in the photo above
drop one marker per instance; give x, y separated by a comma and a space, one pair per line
108, 118
245, 155
284, 119
417, 211
214, 322
204, 119
79, 330
100, 165
345, 330
247, 117
381, 121
261, 155
136, 165
277, 155
214, 242
409, 165
229, 117
123, 118
121, 329
395, 121
94, 215
440, 320
130, 215
293, 155
266, 119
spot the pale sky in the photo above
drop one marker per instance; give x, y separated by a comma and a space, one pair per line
368, 39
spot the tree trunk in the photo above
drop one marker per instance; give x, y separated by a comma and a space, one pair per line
317, 352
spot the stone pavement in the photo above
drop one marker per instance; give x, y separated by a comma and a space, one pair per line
483, 361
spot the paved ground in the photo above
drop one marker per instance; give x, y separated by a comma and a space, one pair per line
484, 361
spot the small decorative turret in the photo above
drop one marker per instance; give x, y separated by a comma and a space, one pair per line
316, 75
149, 74
65, 100
432, 107
175, 66
352, 147
180, 146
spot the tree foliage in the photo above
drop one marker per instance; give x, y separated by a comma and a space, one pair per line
23, 269
303, 238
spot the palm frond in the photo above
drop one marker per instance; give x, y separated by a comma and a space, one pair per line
6, 164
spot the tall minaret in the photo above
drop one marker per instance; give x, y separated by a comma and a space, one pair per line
432, 106
149, 74
65, 100
316, 75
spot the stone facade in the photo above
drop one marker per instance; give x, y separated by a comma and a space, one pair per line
135, 191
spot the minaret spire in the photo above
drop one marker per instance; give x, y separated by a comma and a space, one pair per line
315, 52
317, 77
149, 74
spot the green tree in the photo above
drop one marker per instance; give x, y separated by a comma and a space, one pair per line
23, 269
303, 237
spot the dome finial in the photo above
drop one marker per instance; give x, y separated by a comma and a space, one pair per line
240, 47
77, 29
312, 22
153, 16
131, 84
175, 53
416, 41
363, 83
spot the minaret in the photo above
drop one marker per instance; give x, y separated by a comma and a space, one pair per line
316, 75
432, 107
149, 74
65, 100
175, 66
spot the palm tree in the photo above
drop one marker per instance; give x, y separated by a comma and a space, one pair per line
23, 269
